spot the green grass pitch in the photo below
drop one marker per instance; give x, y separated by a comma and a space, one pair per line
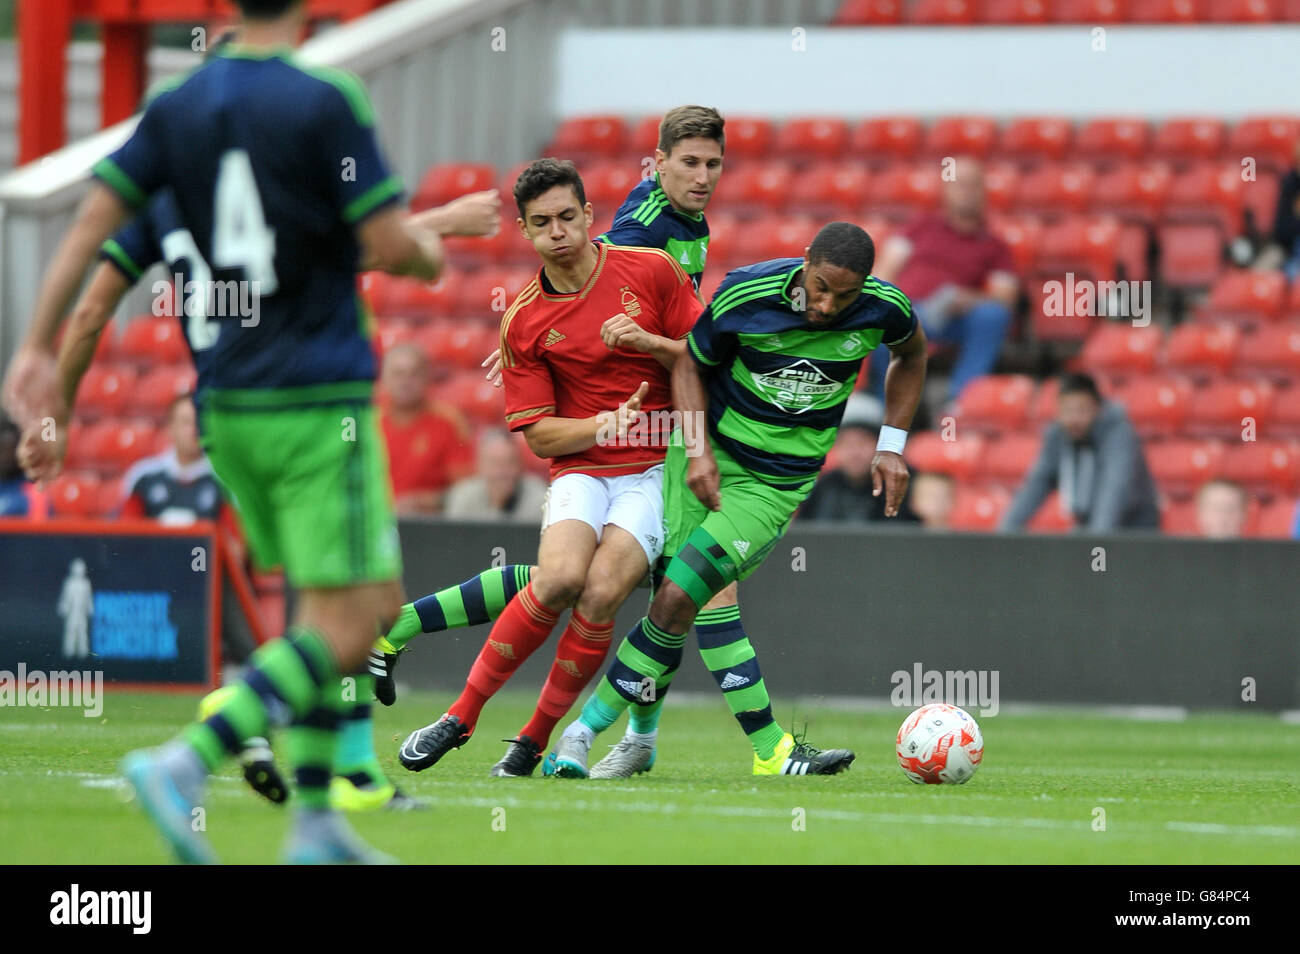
1216, 788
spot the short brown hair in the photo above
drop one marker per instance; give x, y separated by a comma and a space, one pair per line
544, 175
691, 122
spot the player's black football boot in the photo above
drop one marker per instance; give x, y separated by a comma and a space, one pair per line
261, 773
520, 759
424, 747
382, 665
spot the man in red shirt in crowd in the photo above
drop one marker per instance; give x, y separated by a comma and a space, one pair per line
427, 451
959, 276
585, 349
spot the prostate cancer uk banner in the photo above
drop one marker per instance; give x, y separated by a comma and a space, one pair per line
136, 602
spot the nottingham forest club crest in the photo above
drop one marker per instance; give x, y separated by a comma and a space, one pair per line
796, 387
631, 307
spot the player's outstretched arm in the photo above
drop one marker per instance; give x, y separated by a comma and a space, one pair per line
558, 436
42, 448
476, 213
391, 243
31, 386
904, 382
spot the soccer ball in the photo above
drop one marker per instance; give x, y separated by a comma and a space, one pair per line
940, 744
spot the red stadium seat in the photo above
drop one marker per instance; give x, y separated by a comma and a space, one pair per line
777, 236
1207, 192
961, 459
150, 340
74, 494
473, 395
1165, 11
1191, 255
1277, 519
893, 137
1008, 459
1036, 138
824, 190
904, 190
824, 137
1015, 12
1184, 140
1090, 11
643, 139
1022, 234
943, 12
1132, 190
1043, 408
868, 13
749, 137
1269, 139
587, 137
157, 389
489, 292
461, 345
105, 390
995, 402
1156, 405
108, 499
78, 456
608, 182
1271, 351
1202, 349
961, 136
1226, 408
1081, 244
1263, 467
975, 509
1001, 184
1050, 317
390, 332
1240, 11
724, 232
1179, 466
421, 301
1118, 349
1178, 519
114, 445
1050, 518
757, 186
1113, 138
1056, 188
449, 180
1252, 297
1293, 303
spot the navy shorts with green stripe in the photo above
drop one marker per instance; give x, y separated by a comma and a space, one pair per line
307, 471
710, 549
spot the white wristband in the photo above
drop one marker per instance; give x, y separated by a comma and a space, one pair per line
892, 439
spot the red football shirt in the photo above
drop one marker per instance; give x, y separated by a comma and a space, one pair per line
941, 255
554, 362
430, 453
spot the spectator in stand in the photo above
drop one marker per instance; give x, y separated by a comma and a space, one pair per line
19, 497
959, 276
1221, 510
1092, 455
500, 490
1284, 250
933, 496
846, 493
427, 450
177, 486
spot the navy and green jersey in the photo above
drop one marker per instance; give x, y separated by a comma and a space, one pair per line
140, 244
776, 384
647, 219
271, 165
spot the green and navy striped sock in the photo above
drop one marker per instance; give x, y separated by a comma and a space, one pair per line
731, 659
480, 599
646, 659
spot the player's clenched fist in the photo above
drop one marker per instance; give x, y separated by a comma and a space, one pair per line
888, 472
702, 478
622, 332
